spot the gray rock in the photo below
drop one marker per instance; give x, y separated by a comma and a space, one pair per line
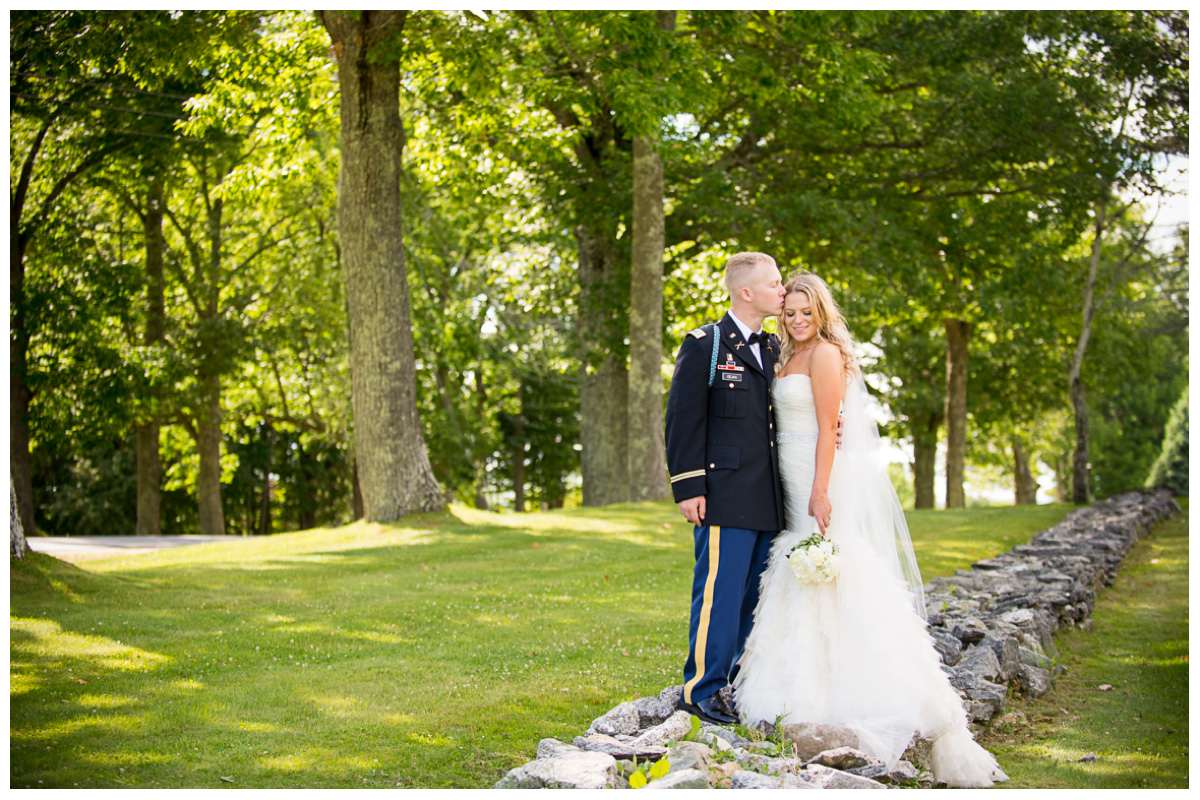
981, 660
683, 779
622, 719
828, 778
653, 710
948, 646
753, 780
801, 781
812, 738
774, 766
765, 728
727, 735
566, 771
980, 711
1034, 656
689, 755
674, 728
843, 758
876, 771
970, 630
919, 752
1008, 654
1034, 681
553, 747
904, 771
599, 743
716, 742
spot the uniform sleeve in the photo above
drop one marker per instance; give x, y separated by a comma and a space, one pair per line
687, 418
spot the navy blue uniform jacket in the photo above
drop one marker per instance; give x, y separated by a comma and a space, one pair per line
721, 441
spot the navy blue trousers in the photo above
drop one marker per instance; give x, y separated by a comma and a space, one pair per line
729, 564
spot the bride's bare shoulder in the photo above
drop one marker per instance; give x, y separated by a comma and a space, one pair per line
826, 352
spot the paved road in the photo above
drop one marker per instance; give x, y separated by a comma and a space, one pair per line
75, 548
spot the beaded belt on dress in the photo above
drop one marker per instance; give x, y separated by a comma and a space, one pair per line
808, 437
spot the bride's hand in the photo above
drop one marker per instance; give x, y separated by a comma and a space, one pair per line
821, 510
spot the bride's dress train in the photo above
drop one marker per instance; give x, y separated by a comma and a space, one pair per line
852, 652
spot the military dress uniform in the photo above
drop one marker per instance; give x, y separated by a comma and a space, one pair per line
721, 444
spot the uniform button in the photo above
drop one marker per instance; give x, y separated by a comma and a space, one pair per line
712, 466
772, 444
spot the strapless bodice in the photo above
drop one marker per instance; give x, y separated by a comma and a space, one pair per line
796, 437
795, 409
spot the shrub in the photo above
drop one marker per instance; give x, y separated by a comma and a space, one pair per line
1170, 470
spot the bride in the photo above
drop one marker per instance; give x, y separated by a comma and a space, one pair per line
853, 651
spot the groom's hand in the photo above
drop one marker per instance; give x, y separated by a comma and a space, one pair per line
693, 510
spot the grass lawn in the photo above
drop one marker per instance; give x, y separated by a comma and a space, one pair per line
433, 653
1135, 733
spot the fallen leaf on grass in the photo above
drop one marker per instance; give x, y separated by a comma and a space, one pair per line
1090, 757
80, 680
227, 780
535, 544
1104, 687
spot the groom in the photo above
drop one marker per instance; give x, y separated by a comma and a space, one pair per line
725, 474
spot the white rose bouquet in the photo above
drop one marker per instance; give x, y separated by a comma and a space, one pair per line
814, 560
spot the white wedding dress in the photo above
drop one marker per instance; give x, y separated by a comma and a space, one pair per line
852, 652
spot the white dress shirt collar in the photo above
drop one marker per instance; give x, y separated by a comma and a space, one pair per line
745, 329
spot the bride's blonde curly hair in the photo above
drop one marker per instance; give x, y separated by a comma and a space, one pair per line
831, 325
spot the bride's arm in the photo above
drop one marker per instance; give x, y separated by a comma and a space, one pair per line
827, 383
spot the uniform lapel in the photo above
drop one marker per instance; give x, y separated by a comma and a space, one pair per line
731, 337
769, 351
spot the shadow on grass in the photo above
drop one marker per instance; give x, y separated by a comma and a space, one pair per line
349, 658
435, 652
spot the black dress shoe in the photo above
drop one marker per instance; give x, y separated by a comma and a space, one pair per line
707, 710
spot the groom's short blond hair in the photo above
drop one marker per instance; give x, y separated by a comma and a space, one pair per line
738, 269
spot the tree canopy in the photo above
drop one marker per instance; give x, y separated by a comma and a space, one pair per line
216, 260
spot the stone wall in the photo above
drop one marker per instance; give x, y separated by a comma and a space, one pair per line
993, 626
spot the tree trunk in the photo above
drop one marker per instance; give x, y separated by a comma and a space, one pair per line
16, 533
958, 333
264, 500
647, 449
1081, 490
603, 378
648, 478
149, 463
1062, 477
925, 438
308, 500
356, 499
1025, 485
208, 443
517, 453
394, 465
18, 391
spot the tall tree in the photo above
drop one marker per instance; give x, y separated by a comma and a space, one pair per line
1130, 69
647, 448
393, 464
